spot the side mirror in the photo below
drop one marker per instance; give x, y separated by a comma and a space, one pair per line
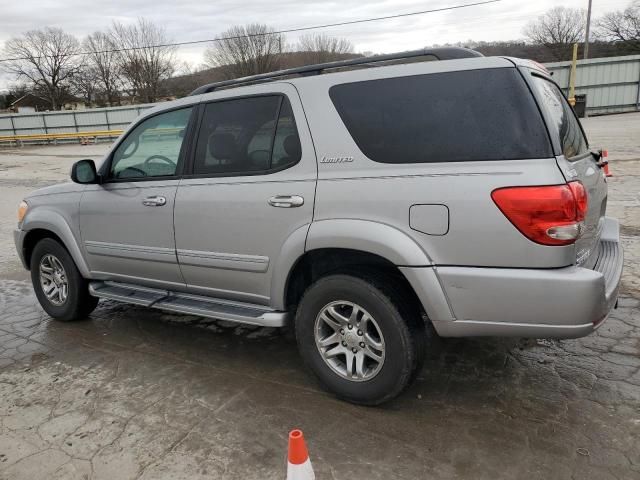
84, 172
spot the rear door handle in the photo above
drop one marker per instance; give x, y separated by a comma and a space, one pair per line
286, 201
155, 201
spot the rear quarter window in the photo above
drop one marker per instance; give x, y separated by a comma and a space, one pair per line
444, 117
562, 122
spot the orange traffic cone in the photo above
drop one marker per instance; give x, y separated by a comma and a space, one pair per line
298, 464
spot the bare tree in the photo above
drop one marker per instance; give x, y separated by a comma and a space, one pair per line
103, 60
321, 48
85, 84
47, 59
557, 29
144, 58
246, 50
622, 26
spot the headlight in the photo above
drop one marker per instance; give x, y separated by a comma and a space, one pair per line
22, 210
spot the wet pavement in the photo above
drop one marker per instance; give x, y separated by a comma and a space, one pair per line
136, 393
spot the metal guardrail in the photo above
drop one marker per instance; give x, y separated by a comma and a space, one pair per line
84, 136
69, 121
54, 137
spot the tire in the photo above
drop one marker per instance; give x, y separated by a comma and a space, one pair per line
396, 316
77, 303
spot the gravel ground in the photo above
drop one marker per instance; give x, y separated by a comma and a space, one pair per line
135, 393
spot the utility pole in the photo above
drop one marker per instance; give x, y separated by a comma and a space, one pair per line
572, 76
586, 33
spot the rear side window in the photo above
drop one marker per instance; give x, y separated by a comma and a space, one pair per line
247, 136
286, 145
444, 117
563, 123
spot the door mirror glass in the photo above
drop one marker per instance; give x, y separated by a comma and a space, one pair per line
84, 172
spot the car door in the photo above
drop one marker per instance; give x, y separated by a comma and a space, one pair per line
126, 221
250, 188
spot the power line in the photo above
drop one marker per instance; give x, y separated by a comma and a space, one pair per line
290, 30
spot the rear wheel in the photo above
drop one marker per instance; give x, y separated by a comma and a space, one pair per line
364, 339
59, 287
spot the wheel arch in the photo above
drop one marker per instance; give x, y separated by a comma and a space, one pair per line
316, 264
50, 224
368, 236
341, 242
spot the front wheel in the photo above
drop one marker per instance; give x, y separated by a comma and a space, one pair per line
59, 287
364, 339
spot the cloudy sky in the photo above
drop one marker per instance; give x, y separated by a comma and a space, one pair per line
187, 20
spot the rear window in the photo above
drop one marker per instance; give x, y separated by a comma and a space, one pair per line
444, 117
563, 123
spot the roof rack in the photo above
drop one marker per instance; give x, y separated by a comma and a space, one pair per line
440, 53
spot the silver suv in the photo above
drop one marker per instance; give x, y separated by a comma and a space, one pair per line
355, 203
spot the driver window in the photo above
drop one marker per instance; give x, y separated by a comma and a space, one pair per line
152, 149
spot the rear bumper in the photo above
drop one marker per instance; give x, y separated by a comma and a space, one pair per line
560, 303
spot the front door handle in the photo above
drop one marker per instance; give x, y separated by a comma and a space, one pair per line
286, 201
155, 201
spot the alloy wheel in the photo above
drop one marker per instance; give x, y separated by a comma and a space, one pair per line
349, 341
53, 280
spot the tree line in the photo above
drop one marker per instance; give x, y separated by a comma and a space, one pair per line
54, 65
136, 63
560, 27
133, 63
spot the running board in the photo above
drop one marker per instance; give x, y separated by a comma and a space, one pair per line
189, 304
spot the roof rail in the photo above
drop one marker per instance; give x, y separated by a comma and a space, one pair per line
441, 53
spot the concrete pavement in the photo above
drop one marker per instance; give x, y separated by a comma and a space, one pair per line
135, 393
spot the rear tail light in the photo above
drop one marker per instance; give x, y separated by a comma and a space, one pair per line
549, 215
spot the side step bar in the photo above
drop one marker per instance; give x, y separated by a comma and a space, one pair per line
189, 304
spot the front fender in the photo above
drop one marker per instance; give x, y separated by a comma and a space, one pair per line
50, 219
378, 238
